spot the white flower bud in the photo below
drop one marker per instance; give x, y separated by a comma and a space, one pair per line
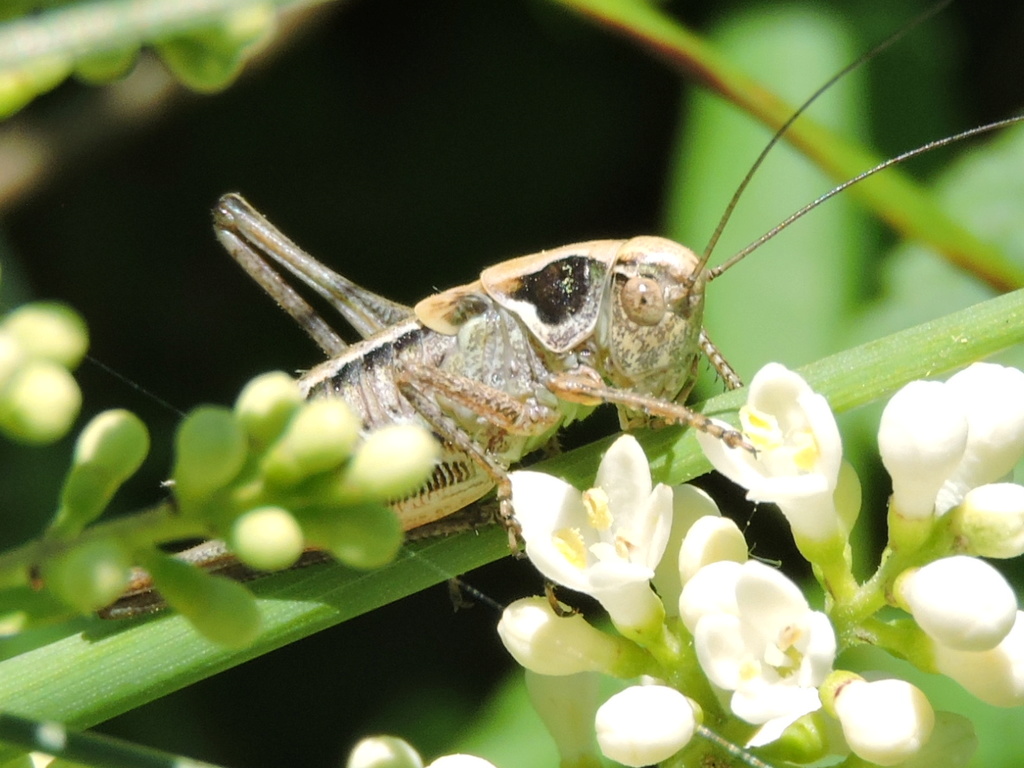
993, 399
644, 724
549, 644
991, 520
995, 676
710, 540
921, 437
884, 722
961, 602
383, 752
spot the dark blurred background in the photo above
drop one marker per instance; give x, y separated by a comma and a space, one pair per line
407, 145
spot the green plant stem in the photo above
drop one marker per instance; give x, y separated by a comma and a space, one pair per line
160, 523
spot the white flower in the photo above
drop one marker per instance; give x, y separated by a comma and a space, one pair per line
993, 399
644, 724
995, 676
605, 542
921, 437
549, 644
710, 590
799, 452
961, 602
991, 520
773, 652
884, 722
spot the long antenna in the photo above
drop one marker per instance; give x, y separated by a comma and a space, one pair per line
856, 63
987, 128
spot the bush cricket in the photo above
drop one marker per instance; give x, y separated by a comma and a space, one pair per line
495, 367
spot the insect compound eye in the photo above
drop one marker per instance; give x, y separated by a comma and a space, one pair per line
643, 300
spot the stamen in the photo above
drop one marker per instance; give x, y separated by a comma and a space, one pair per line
595, 501
762, 429
569, 543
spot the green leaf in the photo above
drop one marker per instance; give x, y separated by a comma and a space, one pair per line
204, 42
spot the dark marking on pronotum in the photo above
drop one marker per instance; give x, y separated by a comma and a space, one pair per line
559, 290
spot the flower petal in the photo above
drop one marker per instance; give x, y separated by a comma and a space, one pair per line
625, 476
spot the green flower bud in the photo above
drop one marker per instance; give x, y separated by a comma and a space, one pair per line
392, 461
109, 450
39, 403
49, 330
116, 440
319, 438
805, 740
267, 538
221, 610
363, 536
89, 576
209, 59
266, 405
210, 451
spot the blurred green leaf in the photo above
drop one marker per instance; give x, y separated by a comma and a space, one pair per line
790, 301
204, 42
